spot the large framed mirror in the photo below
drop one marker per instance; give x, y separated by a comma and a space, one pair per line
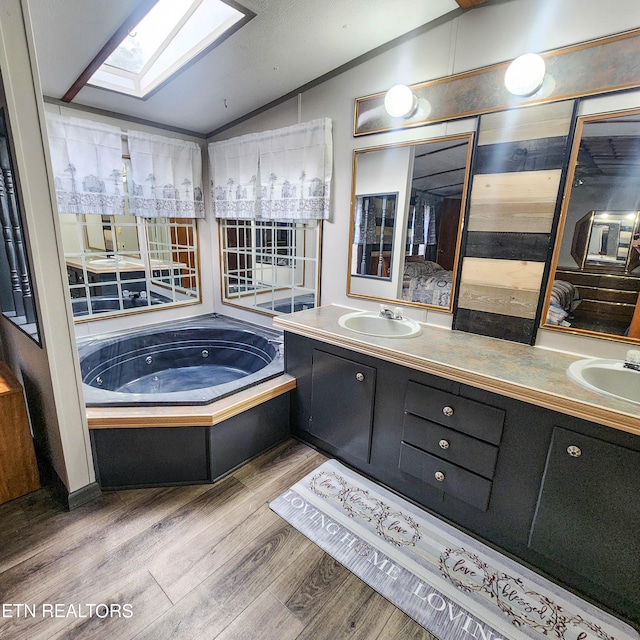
126, 264
411, 256
594, 285
270, 266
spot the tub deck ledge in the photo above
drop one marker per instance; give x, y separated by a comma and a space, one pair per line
205, 415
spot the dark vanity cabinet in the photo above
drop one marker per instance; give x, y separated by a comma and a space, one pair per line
588, 513
342, 398
451, 443
557, 492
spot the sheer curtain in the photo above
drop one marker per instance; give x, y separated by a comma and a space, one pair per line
282, 174
166, 177
295, 171
87, 165
234, 177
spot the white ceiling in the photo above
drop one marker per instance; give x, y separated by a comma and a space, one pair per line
288, 44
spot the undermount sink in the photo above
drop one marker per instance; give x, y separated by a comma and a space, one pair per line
610, 377
373, 324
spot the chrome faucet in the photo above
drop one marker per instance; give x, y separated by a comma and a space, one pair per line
392, 314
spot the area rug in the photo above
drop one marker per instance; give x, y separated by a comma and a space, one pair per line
448, 582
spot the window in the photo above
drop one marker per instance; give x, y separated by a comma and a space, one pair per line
170, 35
270, 266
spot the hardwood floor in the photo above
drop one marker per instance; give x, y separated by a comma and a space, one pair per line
197, 562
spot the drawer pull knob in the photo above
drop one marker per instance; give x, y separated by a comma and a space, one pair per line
448, 411
359, 377
444, 444
439, 476
574, 452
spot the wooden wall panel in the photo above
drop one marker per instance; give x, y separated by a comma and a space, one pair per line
533, 247
507, 287
515, 194
522, 201
533, 123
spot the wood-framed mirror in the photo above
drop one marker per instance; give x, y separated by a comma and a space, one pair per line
410, 258
594, 283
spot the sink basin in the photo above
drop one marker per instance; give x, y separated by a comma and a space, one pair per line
116, 260
372, 324
607, 376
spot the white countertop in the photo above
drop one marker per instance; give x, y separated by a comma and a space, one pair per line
531, 374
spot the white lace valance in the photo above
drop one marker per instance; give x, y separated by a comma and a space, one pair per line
282, 174
234, 177
87, 165
166, 177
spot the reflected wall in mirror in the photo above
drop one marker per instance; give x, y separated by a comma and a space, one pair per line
270, 266
374, 226
594, 285
428, 180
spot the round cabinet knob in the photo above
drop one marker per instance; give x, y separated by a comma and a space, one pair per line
574, 452
444, 444
439, 476
448, 411
359, 377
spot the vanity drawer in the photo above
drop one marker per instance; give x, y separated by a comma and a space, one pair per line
468, 416
470, 453
453, 480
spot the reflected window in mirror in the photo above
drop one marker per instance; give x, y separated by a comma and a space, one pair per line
374, 226
270, 266
124, 264
594, 285
414, 260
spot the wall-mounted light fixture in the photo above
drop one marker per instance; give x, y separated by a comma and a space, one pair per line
524, 76
399, 102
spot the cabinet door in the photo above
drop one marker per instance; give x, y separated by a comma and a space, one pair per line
342, 396
588, 513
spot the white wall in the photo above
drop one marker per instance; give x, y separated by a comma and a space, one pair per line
52, 370
482, 36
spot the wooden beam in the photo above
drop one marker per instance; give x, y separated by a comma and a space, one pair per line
468, 4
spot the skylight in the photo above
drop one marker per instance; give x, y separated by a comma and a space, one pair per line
172, 34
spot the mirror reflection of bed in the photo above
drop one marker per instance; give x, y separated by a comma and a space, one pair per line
415, 264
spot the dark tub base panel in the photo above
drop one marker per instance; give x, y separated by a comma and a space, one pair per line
162, 456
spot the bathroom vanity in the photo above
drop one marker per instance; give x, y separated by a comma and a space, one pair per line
491, 436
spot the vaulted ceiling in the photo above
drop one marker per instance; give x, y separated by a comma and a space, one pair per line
288, 45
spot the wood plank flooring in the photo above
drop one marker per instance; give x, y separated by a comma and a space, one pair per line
199, 562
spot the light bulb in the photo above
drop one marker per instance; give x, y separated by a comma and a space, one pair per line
400, 101
525, 74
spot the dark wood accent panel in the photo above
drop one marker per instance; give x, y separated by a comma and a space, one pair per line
606, 475
18, 468
508, 246
521, 155
455, 481
495, 325
452, 446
